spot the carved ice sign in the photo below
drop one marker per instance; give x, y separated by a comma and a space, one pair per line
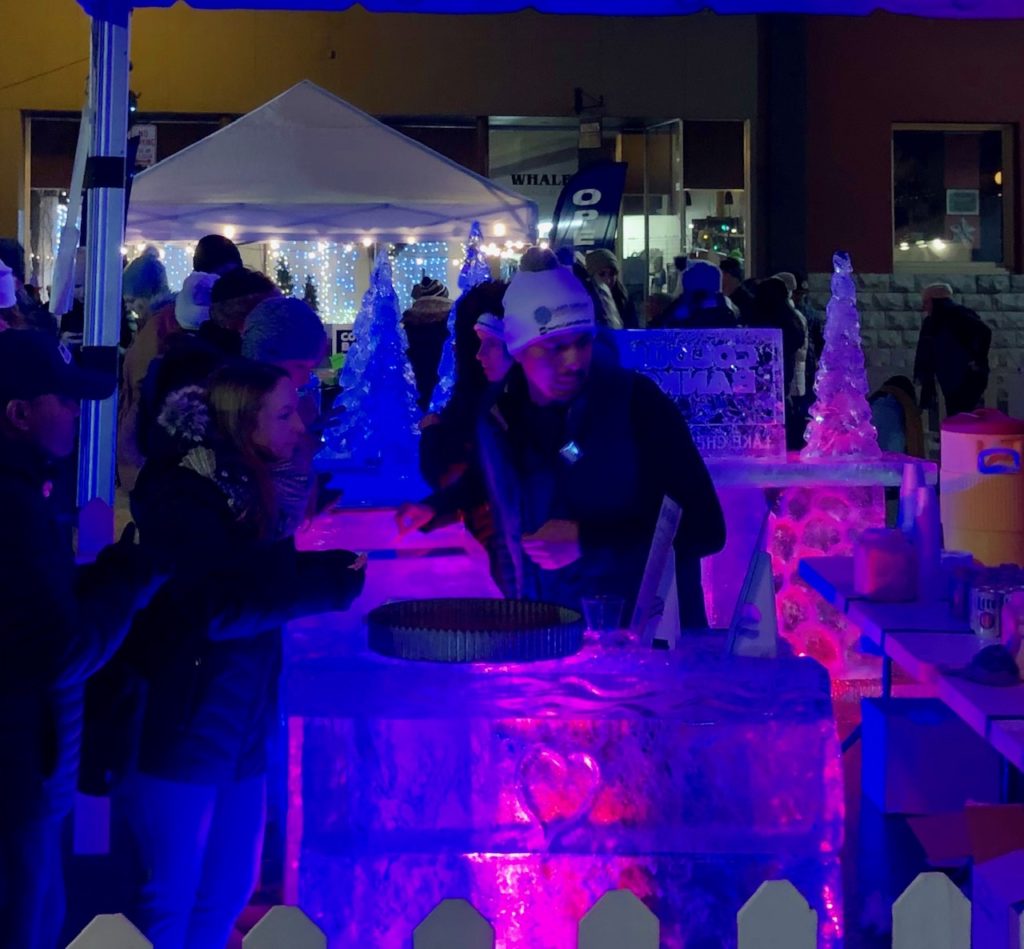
727, 383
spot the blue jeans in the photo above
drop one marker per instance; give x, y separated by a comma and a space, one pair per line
31, 884
199, 848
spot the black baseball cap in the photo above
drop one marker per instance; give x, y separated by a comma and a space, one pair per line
34, 363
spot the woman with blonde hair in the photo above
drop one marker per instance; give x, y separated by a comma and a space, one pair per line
211, 653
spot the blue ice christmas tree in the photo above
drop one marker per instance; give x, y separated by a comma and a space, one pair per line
474, 271
375, 424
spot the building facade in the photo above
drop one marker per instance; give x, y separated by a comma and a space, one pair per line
891, 137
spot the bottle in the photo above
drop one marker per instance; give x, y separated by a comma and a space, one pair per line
927, 537
913, 478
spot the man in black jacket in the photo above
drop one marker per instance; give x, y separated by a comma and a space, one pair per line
575, 457
58, 625
952, 348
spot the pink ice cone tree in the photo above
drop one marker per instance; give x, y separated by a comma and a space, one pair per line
840, 424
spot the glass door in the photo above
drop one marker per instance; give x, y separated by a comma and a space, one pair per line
653, 213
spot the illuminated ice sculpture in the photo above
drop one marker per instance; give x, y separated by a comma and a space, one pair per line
372, 439
840, 424
474, 271
814, 521
687, 777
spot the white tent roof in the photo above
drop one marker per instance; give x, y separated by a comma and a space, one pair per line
308, 165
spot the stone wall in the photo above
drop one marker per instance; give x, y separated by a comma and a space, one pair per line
890, 317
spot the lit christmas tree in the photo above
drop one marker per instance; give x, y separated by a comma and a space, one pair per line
309, 294
474, 271
376, 422
840, 424
283, 277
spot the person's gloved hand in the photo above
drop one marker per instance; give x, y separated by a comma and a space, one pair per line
330, 580
555, 545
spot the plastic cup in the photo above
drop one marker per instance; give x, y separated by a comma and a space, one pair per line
603, 613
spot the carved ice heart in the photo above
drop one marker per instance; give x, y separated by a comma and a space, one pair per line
556, 789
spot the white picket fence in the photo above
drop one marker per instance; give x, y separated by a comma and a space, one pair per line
931, 914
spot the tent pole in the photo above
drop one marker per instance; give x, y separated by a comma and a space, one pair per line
104, 183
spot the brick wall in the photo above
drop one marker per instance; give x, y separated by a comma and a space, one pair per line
890, 318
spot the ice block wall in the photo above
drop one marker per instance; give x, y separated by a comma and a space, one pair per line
689, 778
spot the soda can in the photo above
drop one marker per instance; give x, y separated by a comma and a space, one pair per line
986, 612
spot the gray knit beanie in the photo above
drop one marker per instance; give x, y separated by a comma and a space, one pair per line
283, 328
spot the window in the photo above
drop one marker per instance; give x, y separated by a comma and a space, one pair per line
951, 196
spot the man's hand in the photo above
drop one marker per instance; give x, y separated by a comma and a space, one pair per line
555, 545
413, 517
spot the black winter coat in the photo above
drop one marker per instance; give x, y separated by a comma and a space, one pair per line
952, 348
58, 625
634, 449
211, 647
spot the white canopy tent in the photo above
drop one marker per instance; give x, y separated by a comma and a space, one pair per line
310, 166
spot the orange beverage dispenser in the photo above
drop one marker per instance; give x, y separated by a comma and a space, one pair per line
982, 486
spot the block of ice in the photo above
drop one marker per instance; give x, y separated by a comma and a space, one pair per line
530, 790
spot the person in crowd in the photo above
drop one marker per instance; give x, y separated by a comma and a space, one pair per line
480, 360
952, 349
215, 254
702, 305
659, 275
738, 290
603, 267
195, 800
800, 386
286, 333
493, 354
72, 323
896, 417
448, 439
192, 304
608, 318
426, 327
772, 311
58, 625
28, 312
815, 319
575, 457
9, 317
656, 310
191, 358
189, 310
145, 292
232, 299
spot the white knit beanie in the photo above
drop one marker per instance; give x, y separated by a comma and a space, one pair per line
192, 306
491, 325
544, 303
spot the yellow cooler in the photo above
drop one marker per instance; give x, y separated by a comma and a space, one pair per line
982, 486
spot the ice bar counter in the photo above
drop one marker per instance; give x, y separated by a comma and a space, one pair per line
687, 776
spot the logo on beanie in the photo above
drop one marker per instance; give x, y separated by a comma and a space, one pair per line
542, 315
